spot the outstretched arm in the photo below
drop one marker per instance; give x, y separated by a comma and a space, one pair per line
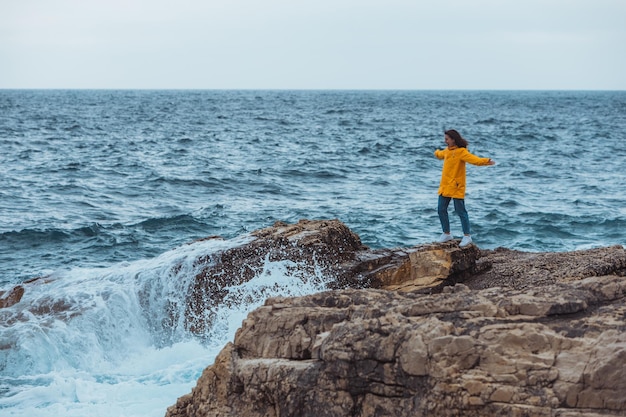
476, 160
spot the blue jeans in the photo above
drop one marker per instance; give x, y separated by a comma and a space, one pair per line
459, 208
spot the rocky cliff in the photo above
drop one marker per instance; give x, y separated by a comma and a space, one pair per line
433, 330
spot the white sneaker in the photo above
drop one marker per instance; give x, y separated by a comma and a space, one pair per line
465, 241
444, 237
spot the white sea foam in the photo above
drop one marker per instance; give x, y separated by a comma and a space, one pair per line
104, 350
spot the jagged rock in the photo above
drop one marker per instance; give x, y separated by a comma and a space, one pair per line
330, 247
557, 350
531, 334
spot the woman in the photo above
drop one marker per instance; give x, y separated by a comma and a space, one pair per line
452, 185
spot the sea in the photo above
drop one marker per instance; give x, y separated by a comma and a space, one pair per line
105, 195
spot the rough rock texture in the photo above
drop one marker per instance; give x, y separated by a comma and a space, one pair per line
559, 350
12, 296
523, 270
15, 294
330, 247
528, 334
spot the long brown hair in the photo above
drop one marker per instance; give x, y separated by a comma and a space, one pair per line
457, 138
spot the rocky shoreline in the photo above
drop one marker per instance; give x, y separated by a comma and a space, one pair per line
432, 330
429, 330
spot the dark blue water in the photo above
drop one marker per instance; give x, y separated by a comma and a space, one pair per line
92, 178
100, 189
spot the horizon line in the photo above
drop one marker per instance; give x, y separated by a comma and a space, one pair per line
309, 89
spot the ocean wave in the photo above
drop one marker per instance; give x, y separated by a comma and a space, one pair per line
85, 336
206, 182
33, 252
36, 237
174, 223
30, 237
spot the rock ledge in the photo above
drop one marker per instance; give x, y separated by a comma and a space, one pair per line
525, 335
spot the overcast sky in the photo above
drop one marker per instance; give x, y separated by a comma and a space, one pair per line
313, 44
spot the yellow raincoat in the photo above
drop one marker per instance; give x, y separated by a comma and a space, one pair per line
453, 174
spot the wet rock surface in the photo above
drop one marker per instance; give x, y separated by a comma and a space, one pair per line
330, 248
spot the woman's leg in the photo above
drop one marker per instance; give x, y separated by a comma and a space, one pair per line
459, 208
442, 209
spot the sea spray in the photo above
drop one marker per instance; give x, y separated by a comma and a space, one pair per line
283, 278
103, 342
